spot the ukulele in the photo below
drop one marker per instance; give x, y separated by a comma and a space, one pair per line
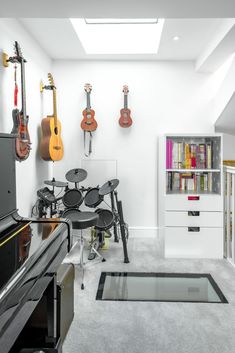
88, 122
51, 146
20, 118
125, 119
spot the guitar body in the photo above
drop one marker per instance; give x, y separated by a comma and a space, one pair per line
51, 146
88, 122
22, 142
125, 119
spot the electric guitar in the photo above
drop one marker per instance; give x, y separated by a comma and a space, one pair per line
125, 119
88, 122
20, 118
51, 146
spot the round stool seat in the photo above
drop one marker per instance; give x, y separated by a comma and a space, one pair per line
83, 220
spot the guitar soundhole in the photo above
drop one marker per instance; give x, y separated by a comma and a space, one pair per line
56, 130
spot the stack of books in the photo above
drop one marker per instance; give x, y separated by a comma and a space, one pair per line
181, 182
182, 155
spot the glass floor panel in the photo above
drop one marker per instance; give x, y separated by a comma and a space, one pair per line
164, 287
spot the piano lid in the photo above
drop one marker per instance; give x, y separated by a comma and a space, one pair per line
19, 243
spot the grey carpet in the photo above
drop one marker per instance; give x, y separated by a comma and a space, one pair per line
140, 327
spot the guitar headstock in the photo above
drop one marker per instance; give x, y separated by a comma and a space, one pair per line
18, 52
125, 89
88, 88
51, 80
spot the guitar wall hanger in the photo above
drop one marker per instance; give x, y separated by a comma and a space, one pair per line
12, 59
5, 60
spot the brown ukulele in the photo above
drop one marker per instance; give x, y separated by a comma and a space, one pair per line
125, 119
88, 122
20, 118
51, 146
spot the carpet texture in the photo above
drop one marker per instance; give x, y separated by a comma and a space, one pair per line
152, 327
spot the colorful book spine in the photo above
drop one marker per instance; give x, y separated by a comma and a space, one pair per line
202, 156
209, 155
193, 151
187, 156
169, 146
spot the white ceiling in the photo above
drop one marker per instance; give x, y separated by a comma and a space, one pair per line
118, 8
197, 22
59, 40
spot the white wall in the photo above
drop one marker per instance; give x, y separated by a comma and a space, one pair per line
30, 173
164, 97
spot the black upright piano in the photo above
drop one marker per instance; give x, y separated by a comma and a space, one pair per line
31, 251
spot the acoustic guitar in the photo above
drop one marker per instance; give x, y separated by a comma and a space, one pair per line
20, 118
51, 146
125, 119
88, 122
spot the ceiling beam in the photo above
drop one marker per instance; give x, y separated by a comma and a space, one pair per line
224, 103
219, 49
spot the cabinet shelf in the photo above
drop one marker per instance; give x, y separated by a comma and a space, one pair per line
188, 192
194, 170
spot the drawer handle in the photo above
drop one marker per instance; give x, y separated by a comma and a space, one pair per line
193, 229
193, 198
194, 213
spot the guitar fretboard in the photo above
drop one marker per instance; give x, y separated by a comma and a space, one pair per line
125, 101
88, 100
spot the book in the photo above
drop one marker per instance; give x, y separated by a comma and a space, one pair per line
187, 156
209, 155
202, 156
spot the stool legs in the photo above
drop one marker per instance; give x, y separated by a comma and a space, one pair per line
81, 259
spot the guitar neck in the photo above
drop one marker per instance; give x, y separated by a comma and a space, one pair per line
88, 101
54, 107
23, 94
125, 101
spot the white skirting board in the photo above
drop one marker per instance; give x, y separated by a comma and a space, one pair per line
143, 232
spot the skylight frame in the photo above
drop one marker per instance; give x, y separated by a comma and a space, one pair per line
126, 36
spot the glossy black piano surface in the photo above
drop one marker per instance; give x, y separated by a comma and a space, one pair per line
20, 245
30, 254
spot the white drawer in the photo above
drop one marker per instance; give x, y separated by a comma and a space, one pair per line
193, 203
193, 218
207, 243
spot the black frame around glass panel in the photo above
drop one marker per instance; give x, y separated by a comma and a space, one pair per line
214, 285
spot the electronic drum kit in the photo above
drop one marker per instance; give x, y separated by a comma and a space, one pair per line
73, 198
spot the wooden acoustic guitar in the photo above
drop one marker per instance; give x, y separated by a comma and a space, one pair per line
20, 118
51, 146
88, 122
125, 119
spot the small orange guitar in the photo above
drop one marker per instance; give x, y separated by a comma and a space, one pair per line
125, 119
88, 122
51, 146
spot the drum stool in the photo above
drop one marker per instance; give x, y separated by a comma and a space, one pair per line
83, 220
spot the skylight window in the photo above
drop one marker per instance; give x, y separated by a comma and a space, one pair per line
119, 36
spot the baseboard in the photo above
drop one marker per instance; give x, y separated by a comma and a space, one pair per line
143, 232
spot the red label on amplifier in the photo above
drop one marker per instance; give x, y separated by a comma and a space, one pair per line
193, 198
